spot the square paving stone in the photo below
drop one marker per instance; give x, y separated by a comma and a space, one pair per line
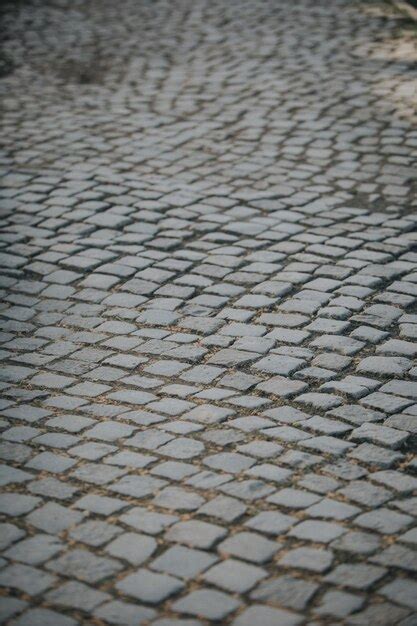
230, 357
261, 449
16, 504
10, 475
339, 604
9, 534
103, 505
149, 587
270, 472
357, 543
286, 433
124, 614
177, 622
92, 451
383, 614
95, 533
137, 486
385, 402
204, 374
178, 499
44, 617
130, 459
357, 576
148, 521
195, 533
249, 546
110, 431
53, 488
224, 508
363, 492
182, 448
10, 607
332, 509
279, 365
209, 604
229, 461
267, 616
247, 489
50, 462
234, 576
294, 498
132, 397
26, 579
52, 381
54, 518
401, 482
183, 562
402, 591
329, 445
208, 414
84, 566
271, 522
97, 474
375, 455
308, 559
294, 593
132, 547
173, 470
56, 440
76, 596
379, 435
397, 556
384, 521
34, 550
320, 532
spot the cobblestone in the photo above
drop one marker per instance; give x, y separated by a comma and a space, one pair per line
208, 281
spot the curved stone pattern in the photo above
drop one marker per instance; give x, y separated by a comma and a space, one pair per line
209, 395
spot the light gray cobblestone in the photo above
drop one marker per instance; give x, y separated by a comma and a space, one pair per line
208, 290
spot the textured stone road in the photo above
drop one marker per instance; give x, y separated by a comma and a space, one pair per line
208, 313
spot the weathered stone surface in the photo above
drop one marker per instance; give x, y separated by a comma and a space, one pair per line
208, 284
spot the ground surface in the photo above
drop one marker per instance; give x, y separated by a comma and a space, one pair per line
209, 397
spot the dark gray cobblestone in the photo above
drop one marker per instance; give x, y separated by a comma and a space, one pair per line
208, 313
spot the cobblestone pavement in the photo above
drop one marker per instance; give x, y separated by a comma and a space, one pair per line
208, 313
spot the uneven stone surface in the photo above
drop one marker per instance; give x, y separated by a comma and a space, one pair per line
208, 312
